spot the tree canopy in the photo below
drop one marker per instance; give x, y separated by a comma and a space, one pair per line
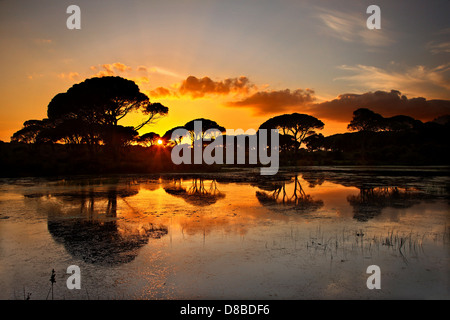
104, 100
167, 137
366, 120
89, 112
148, 139
32, 131
298, 125
206, 124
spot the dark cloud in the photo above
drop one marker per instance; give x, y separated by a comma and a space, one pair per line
385, 103
269, 102
199, 87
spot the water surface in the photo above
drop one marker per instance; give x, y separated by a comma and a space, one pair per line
307, 234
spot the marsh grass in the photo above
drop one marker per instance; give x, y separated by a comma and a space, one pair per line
351, 242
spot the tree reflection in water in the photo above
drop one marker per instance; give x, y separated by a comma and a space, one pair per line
91, 231
370, 201
197, 194
276, 196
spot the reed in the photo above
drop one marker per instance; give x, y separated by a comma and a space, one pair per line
406, 245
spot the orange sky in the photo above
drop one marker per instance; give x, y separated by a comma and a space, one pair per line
237, 63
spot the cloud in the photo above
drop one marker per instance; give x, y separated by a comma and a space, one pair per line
42, 41
269, 102
105, 70
142, 75
350, 27
72, 76
110, 69
35, 76
438, 47
158, 70
387, 103
204, 87
414, 81
160, 92
199, 87
440, 44
120, 66
164, 72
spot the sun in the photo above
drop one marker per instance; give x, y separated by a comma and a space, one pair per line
160, 142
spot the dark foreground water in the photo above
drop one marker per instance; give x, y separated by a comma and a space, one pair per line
308, 234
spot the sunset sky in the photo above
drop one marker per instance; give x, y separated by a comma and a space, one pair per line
235, 62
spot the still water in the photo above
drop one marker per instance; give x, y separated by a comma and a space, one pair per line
308, 234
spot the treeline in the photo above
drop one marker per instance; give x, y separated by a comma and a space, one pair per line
81, 135
398, 140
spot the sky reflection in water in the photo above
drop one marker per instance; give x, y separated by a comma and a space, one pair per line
237, 235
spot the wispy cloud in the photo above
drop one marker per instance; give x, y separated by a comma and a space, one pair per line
160, 71
72, 76
142, 75
350, 27
436, 47
35, 76
41, 41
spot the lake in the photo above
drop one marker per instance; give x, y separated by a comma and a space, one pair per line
306, 233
